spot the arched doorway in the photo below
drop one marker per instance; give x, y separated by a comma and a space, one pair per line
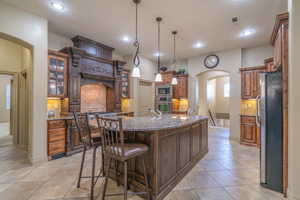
214, 97
15, 86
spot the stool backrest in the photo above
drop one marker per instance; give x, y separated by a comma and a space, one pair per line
83, 128
112, 134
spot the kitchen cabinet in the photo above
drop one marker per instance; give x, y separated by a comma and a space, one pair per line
57, 74
250, 81
125, 84
269, 63
56, 138
249, 131
181, 89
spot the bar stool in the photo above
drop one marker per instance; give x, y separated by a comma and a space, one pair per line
88, 140
114, 148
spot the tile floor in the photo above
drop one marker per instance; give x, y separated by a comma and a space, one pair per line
228, 172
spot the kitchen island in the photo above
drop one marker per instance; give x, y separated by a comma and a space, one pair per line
176, 142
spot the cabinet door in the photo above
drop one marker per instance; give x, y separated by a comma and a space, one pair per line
181, 89
57, 76
278, 49
256, 82
247, 84
249, 134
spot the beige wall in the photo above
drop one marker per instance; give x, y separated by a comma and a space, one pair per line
294, 99
230, 61
222, 103
31, 31
148, 70
57, 42
255, 56
4, 112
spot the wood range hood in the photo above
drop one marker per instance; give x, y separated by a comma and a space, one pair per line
91, 63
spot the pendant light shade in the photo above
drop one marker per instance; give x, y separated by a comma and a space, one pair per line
158, 77
174, 79
136, 72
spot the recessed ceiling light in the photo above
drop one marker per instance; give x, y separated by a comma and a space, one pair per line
158, 54
198, 45
57, 6
247, 32
125, 39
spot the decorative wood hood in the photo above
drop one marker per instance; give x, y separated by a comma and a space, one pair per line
91, 62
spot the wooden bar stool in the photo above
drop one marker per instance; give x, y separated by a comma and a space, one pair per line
88, 140
114, 148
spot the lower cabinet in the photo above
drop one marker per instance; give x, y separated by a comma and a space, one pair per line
56, 138
249, 131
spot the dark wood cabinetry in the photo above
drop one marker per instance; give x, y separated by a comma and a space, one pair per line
269, 63
125, 84
57, 74
181, 89
249, 131
250, 86
56, 138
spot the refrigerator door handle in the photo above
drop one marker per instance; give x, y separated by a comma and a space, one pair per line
258, 111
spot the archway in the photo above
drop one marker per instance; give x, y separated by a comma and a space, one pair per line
16, 75
214, 97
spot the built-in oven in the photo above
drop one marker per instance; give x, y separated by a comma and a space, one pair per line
164, 107
163, 98
164, 90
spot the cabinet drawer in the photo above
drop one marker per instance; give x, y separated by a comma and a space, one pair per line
54, 124
56, 134
248, 120
56, 147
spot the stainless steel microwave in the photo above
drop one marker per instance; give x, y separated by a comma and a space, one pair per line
164, 90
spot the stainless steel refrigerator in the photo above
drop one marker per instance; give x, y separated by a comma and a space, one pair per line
269, 118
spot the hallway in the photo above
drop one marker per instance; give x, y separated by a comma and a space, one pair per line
228, 172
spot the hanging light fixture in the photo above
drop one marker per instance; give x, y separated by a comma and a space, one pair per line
174, 79
158, 77
136, 73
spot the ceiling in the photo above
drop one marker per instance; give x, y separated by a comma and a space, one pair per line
208, 21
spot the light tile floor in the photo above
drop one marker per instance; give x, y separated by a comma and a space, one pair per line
228, 172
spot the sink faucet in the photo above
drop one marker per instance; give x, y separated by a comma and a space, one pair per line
155, 112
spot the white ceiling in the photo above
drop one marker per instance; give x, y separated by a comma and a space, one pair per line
208, 21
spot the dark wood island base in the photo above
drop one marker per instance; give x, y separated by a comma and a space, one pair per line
173, 153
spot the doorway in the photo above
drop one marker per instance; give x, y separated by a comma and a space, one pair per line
218, 95
5, 110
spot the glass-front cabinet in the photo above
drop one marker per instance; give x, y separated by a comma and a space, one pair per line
125, 89
57, 76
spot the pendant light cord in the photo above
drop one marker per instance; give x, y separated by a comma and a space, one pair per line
174, 52
158, 19
136, 58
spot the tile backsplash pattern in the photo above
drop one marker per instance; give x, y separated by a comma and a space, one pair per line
248, 107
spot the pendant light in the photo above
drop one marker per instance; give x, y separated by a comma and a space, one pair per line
136, 73
174, 79
158, 77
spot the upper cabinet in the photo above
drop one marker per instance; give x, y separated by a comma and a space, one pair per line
57, 74
181, 89
125, 84
269, 63
250, 81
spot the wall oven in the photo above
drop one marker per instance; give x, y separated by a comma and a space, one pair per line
163, 98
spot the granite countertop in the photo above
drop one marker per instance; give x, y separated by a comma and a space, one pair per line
69, 116
248, 115
151, 123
